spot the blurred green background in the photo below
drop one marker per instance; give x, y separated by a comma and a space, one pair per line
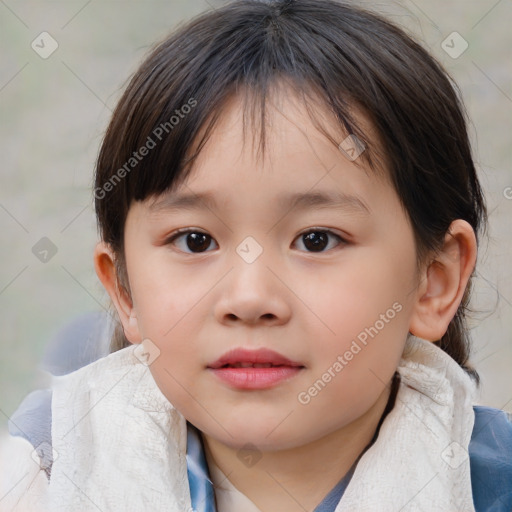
54, 112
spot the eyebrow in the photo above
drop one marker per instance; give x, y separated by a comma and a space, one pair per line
289, 201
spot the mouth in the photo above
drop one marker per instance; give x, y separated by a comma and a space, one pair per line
245, 358
254, 369
246, 364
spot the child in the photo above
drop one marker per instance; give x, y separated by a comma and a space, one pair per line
311, 353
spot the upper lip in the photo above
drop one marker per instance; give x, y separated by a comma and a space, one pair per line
259, 356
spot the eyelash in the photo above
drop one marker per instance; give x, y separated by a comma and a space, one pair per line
180, 232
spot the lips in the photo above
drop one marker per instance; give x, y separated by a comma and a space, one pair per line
254, 369
261, 358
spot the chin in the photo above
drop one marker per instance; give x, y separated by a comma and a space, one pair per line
262, 436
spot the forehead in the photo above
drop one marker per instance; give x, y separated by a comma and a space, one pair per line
300, 168
266, 119
258, 118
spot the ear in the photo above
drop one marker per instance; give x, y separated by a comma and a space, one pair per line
106, 271
443, 282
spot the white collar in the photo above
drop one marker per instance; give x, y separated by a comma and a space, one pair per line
110, 418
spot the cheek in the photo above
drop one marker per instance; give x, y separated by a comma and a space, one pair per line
367, 310
359, 292
165, 300
169, 313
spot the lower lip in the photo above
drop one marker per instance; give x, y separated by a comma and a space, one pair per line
255, 378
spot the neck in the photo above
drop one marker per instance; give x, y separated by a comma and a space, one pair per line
298, 479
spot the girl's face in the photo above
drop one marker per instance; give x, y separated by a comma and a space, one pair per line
328, 282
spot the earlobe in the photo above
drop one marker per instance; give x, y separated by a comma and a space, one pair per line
443, 283
105, 267
132, 331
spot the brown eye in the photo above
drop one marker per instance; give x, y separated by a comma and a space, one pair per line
194, 241
317, 240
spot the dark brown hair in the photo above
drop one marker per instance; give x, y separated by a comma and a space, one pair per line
336, 52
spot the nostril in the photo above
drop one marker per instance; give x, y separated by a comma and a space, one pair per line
266, 316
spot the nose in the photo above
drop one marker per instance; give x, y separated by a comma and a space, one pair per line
252, 294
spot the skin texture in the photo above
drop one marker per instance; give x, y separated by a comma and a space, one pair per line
308, 306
